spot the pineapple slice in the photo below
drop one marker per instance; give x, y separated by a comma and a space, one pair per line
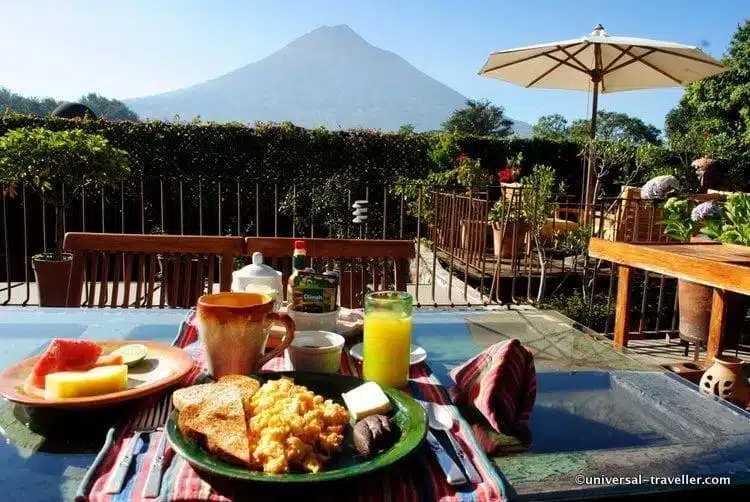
96, 381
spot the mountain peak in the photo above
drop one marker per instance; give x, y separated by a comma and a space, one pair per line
330, 36
330, 76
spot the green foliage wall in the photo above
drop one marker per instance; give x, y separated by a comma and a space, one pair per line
283, 153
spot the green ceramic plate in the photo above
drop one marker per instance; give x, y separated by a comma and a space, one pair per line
407, 413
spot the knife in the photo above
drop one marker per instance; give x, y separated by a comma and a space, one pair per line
453, 473
467, 464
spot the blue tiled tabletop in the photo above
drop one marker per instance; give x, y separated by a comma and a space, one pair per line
597, 412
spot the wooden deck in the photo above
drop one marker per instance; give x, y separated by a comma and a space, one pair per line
486, 265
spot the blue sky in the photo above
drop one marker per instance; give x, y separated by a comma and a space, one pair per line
139, 47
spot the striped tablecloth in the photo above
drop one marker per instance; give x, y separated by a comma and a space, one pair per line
417, 478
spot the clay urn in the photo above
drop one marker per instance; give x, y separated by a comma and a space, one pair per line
726, 378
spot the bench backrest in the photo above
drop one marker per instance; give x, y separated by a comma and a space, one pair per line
175, 268
134, 270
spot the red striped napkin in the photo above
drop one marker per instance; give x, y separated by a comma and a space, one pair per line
417, 478
500, 383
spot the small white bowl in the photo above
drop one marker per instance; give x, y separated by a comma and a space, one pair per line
306, 321
316, 351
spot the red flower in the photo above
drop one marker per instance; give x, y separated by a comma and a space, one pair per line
461, 157
507, 175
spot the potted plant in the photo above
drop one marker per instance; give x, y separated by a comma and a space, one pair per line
512, 170
49, 161
509, 228
682, 222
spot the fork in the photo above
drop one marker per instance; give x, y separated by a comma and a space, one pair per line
148, 421
153, 482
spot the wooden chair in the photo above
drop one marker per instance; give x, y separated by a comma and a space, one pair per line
180, 267
375, 265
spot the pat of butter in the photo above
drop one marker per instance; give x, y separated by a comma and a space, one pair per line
365, 400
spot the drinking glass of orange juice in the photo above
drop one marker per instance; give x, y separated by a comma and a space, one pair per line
387, 338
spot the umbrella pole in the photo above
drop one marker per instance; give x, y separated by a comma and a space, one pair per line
589, 189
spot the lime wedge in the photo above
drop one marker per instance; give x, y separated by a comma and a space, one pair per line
132, 354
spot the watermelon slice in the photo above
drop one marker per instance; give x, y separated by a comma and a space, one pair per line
63, 355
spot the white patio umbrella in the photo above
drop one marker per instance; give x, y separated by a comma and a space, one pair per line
601, 63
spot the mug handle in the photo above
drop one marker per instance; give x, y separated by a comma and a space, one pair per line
288, 322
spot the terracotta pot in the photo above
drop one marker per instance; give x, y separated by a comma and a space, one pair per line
727, 379
473, 234
695, 311
503, 244
52, 278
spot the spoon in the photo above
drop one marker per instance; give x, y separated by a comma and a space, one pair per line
441, 419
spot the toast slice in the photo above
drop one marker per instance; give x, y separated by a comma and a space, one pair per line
214, 414
247, 387
193, 395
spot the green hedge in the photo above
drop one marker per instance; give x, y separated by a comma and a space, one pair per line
270, 153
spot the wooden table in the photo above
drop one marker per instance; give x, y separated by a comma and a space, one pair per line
724, 267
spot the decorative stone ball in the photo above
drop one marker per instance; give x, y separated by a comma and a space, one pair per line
73, 111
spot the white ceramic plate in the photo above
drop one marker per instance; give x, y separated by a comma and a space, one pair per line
418, 354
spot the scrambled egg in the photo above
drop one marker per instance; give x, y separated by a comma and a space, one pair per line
291, 428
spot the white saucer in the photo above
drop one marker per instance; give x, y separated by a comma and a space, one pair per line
418, 354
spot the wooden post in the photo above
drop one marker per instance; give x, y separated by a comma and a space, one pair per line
717, 325
622, 312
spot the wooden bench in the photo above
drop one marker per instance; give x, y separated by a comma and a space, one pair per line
180, 267
363, 265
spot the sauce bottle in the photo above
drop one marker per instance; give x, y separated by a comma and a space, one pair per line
298, 264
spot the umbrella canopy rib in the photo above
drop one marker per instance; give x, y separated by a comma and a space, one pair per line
583, 67
693, 58
629, 61
522, 60
553, 68
653, 67
612, 63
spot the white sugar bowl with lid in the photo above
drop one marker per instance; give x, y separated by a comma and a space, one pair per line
258, 277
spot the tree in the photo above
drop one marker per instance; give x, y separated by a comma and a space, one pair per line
615, 126
406, 129
554, 127
30, 106
537, 205
53, 161
713, 117
481, 118
109, 109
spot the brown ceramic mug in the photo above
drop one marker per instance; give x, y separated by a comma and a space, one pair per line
234, 329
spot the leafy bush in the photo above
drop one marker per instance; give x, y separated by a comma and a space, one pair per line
52, 161
506, 210
573, 242
576, 307
270, 153
733, 226
470, 173
416, 190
